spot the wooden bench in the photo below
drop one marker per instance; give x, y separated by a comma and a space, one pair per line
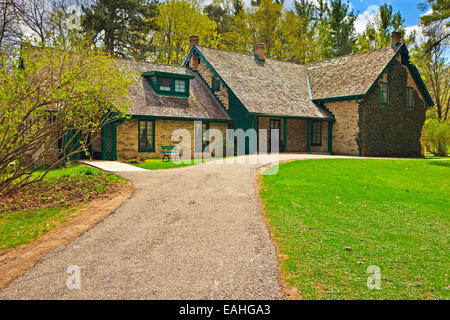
168, 152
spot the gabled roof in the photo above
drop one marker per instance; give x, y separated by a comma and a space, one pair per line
289, 89
350, 75
201, 103
277, 88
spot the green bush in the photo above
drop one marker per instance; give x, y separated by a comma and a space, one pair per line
437, 137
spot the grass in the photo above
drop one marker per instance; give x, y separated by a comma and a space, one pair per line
36, 209
333, 218
158, 164
22, 227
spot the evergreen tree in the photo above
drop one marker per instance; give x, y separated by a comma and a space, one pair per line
122, 26
341, 35
378, 33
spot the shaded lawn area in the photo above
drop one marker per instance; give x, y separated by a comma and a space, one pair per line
334, 218
158, 164
36, 209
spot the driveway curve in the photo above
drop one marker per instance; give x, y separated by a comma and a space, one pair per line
189, 233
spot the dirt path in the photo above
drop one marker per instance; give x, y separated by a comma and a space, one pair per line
189, 233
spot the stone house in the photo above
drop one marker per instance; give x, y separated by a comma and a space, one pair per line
367, 104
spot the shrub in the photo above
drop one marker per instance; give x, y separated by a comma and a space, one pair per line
437, 137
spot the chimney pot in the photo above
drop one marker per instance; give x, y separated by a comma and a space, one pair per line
260, 50
396, 39
193, 41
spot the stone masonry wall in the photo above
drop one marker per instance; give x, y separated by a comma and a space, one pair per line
127, 137
207, 74
346, 127
324, 147
393, 129
297, 135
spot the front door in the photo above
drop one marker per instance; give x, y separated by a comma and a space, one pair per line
109, 141
274, 124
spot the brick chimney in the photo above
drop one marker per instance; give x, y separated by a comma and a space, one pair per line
260, 51
193, 41
396, 39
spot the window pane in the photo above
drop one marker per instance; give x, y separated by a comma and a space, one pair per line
180, 86
384, 93
146, 134
165, 84
215, 83
316, 133
410, 97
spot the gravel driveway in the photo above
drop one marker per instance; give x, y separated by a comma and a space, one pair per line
189, 233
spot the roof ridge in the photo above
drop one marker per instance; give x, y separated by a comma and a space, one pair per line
352, 55
310, 63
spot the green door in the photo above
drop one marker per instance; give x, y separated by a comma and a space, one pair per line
109, 141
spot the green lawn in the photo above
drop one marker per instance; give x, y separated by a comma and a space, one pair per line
35, 210
334, 218
22, 227
157, 164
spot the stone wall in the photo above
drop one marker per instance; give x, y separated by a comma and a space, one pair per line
346, 127
297, 135
127, 137
207, 74
324, 147
393, 129
264, 123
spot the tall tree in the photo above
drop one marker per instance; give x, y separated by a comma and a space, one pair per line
122, 26
378, 33
221, 11
175, 22
341, 35
436, 20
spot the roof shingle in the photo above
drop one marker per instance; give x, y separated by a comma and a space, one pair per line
348, 75
201, 103
277, 88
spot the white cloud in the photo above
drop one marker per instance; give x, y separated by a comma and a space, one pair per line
420, 37
364, 18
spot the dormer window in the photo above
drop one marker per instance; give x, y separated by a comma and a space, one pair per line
165, 84
169, 84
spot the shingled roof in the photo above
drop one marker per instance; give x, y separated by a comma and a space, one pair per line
201, 103
349, 75
277, 88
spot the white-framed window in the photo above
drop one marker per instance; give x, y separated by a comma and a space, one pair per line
165, 84
180, 85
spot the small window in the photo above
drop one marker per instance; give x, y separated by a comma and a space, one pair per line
384, 93
165, 84
215, 83
180, 86
146, 136
316, 133
410, 97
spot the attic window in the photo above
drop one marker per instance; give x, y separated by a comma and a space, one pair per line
215, 83
410, 96
384, 93
165, 84
169, 84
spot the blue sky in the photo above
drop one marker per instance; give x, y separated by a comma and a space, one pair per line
366, 10
408, 8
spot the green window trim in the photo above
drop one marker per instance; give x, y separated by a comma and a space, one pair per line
316, 133
142, 135
384, 100
410, 97
169, 84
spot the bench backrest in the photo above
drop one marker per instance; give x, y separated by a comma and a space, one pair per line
168, 147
